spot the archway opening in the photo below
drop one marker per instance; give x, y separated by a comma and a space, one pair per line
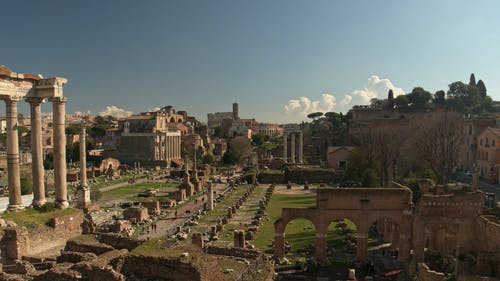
341, 245
300, 240
383, 248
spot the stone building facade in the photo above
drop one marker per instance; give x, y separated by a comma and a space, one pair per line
471, 130
488, 154
146, 138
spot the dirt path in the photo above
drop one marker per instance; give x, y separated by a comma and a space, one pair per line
167, 225
121, 184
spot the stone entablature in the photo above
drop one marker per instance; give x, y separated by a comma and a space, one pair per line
451, 205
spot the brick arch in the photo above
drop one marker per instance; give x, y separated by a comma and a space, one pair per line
362, 206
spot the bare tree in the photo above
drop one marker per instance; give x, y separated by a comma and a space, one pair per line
437, 139
385, 143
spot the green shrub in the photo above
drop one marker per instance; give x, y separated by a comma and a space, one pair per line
95, 194
47, 207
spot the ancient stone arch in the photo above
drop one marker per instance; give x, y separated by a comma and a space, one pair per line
362, 206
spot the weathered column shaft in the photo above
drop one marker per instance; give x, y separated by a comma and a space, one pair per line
83, 158
320, 247
210, 197
285, 147
301, 148
84, 191
14, 179
279, 245
59, 138
292, 147
361, 246
37, 152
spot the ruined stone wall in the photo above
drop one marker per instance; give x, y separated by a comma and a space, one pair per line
136, 148
300, 176
488, 234
118, 241
353, 198
268, 178
61, 229
233, 252
158, 268
425, 274
453, 214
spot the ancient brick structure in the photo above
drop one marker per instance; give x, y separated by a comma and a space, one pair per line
363, 206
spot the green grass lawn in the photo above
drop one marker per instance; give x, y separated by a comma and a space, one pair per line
131, 192
220, 209
29, 217
108, 182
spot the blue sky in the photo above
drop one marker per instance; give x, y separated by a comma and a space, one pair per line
278, 59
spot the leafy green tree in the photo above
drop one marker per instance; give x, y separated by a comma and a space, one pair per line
472, 80
481, 88
230, 157
401, 102
72, 130
258, 139
98, 131
314, 115
439, 98
419, 98
48, 162
370, 178
207, 159
390, 100
377, 103
464, 98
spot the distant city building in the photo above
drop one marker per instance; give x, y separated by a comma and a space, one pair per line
471, 129
146, 138
489, 154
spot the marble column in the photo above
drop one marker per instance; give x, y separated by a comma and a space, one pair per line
292, 147
59, 138
14, 178
301, 148
285, 147
83, 191
37, 151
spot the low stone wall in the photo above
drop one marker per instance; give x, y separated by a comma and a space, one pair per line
19, 241
425, 274
300, 176
152, 268
233, 252
269, 178
118, 241
87, 246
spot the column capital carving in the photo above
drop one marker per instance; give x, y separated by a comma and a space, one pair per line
58, 99
34, 100
12, 99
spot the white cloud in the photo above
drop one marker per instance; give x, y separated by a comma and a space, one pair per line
376, 87
115, 112
304, 106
